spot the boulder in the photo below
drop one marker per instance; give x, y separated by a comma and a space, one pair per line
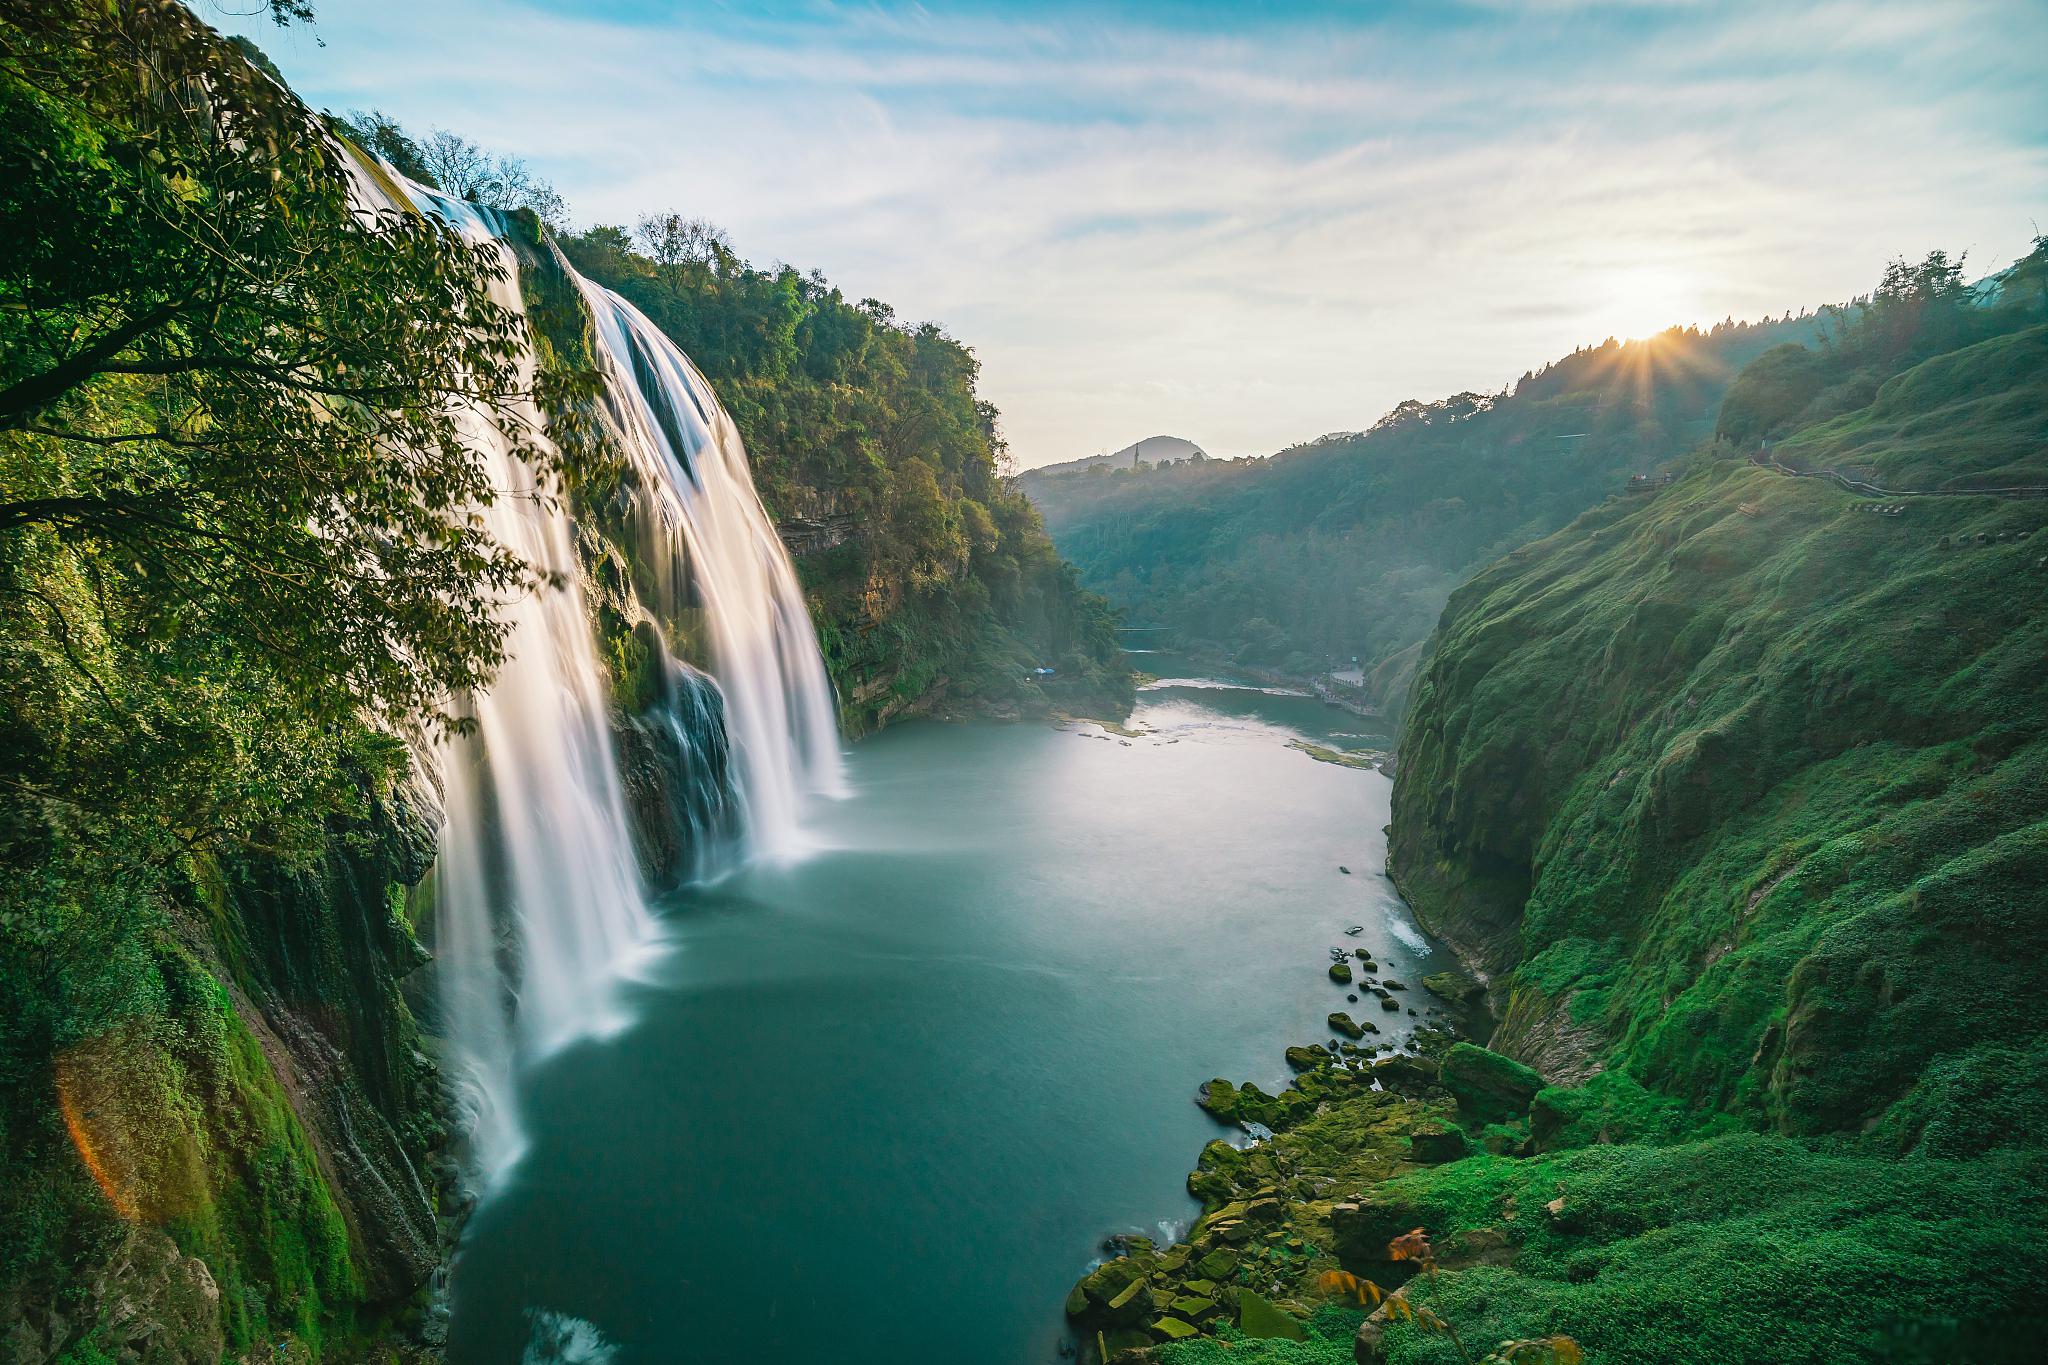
1405, 1074
1487, 1085
1258, 1317
1389, 1003
1308, 1058
1265, 1211
1454, 986
1434, 1143
1340, 972
1343, 1023
1112, 1293
1219, 1097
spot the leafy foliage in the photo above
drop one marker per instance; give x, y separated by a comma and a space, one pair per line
871, 448
238, 555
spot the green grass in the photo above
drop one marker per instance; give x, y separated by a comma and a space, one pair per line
1741, 792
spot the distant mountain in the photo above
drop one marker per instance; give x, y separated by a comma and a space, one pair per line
1348, 547
1154, 450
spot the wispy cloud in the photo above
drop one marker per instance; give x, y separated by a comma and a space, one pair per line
1249, 227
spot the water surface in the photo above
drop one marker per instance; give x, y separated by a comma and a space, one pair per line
885, 1104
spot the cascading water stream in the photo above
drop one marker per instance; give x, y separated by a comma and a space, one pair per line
712, 542
540, 899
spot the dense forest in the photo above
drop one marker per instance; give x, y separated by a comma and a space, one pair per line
219, 1115
1732, 792
1348, 546
935, 579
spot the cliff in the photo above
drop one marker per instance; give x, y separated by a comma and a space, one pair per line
932, 583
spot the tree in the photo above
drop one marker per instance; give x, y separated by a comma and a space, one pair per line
233, 483
378, 133
466, 170
673, 241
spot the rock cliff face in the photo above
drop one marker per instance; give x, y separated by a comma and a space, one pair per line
251, 1160
1738, 785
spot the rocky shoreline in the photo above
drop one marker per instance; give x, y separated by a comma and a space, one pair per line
1293, 1200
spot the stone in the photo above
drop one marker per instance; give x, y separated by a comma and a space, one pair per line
1340, 972
1259, 1317
1265, 1211
1388, 1002
1113, 1292
1219, 1097
1432, 1144
1308, 1058
1487, 1085
1219, 1264
1343, 1023
1405, 1074
1454, 986
1173, 1329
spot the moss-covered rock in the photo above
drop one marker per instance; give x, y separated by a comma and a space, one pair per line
1258, 1317
1488, 1085
1433, 1144
1454, 986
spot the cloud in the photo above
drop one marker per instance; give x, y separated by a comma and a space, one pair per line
1249, 229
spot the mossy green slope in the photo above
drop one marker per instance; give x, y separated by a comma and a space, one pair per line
1739, 792
1745, 783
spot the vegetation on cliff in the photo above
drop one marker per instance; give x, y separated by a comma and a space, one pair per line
1349, 546
933, 580
214, 1101
1735, 789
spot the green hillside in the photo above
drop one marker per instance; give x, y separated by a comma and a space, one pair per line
1350, 545
1740, 792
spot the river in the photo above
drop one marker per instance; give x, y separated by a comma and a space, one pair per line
884, 1104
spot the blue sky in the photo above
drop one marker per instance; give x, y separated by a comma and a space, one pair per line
1251, 224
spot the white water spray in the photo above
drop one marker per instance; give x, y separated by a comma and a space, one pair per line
712, 540
540, 901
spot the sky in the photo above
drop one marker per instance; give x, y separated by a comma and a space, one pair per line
1249, 224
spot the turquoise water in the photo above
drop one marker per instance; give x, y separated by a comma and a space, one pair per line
885, 1104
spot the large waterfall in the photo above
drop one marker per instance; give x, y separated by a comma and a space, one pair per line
713, 540
540, 898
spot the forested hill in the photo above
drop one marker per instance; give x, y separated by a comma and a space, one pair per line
1349, 545
935, 583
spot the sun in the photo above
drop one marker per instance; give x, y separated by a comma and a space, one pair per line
1643, 300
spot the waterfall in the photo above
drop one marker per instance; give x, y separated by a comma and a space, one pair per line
540, 898
714, 544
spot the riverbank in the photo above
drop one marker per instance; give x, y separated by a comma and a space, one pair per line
1292, 1189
